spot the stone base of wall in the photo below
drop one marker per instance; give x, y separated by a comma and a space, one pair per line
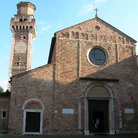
127, 132
65, 132
3, 132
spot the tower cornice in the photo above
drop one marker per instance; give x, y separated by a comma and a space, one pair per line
25, 8
26, 4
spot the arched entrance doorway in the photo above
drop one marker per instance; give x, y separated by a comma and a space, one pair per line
33, 117
99, 110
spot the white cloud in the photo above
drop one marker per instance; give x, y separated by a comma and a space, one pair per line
86, 9
52, 10
99, 1
4, 84
59, 24
39, 33
45, 28
42, 22
90, 7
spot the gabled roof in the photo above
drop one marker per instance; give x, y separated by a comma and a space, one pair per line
29, 71
120, 32
96, 18
104, 22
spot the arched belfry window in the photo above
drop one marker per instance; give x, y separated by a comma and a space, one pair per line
98, 92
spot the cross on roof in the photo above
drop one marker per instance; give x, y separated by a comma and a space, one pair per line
96, 12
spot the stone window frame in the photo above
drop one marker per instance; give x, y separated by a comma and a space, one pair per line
24, 122
4, 116
111, 107
101, 48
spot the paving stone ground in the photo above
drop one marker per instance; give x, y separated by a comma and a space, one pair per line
92, 136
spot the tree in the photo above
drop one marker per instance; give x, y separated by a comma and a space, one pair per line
1, 89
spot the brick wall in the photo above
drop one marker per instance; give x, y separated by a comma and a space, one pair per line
4, 111
36, 84
61, 90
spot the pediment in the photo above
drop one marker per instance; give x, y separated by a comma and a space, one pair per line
95, 29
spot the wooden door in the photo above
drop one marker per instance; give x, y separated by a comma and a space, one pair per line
32, 122
98, 116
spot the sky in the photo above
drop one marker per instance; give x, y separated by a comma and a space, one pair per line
54, 15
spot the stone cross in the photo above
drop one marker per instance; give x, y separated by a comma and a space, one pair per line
96, 12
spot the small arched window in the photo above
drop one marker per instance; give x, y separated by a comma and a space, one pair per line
4, 114
24, 37
21, 20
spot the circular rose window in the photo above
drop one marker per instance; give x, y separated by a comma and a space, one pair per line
97, 56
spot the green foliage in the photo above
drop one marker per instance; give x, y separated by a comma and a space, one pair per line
1, 89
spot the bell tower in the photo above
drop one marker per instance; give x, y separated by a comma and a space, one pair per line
23, 27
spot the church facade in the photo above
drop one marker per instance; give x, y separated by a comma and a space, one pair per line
89, 86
